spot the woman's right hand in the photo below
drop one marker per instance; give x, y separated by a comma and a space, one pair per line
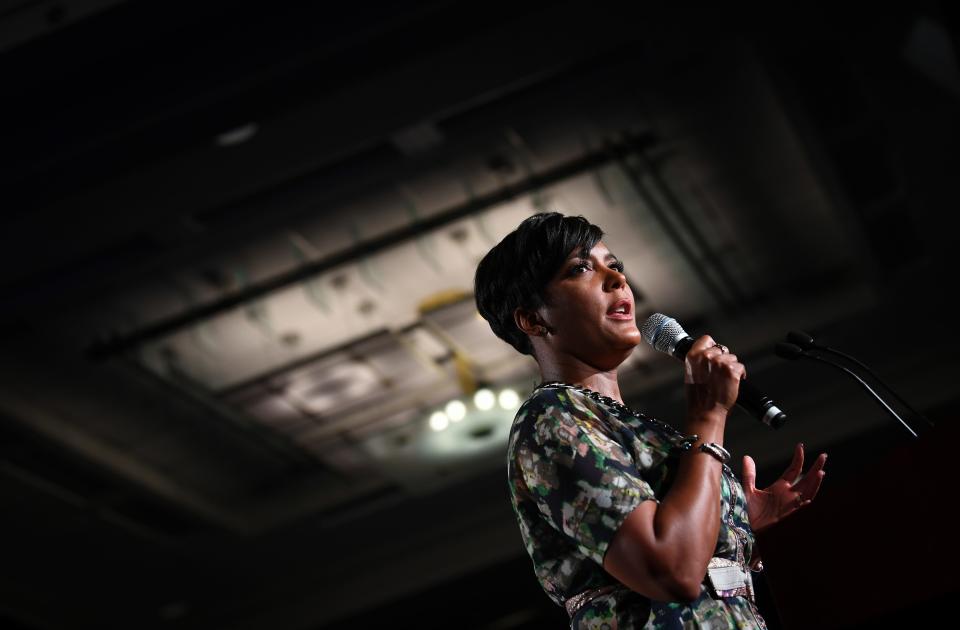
712, 377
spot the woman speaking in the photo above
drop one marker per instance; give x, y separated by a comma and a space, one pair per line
629, 522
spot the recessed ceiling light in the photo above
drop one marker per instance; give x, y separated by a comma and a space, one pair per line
484, 399
456, 410
508, 399
439, 421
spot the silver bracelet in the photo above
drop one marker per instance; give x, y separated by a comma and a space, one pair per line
716, 450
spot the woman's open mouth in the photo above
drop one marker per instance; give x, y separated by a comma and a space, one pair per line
622, 310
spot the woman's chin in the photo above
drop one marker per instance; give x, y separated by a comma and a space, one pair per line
629, 339
622, 346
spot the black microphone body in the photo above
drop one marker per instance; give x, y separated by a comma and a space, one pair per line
751, 399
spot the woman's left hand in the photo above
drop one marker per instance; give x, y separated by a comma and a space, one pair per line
785, 495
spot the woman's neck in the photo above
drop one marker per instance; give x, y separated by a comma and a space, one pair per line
576, 372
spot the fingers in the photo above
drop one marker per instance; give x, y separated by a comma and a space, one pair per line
749, 474
705, 346
810, 484
712, 374
733, 366
705, 356
701, 344
792, 473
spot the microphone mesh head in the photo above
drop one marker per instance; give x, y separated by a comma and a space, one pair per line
662, 332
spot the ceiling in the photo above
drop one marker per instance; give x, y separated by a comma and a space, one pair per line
237, 259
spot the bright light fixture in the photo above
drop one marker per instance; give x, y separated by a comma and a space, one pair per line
439, 421
509, 399
484, 399
456, 410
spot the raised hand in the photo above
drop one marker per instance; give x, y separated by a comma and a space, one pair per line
785, 495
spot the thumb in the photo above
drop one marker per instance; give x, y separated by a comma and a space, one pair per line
749, 474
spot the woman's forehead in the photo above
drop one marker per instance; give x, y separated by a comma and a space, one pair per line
599, 250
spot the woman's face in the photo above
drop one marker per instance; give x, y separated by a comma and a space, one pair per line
590, 310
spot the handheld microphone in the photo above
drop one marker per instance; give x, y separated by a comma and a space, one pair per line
666, 335
792, 352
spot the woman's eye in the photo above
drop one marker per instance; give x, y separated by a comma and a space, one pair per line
618, 266
580, 268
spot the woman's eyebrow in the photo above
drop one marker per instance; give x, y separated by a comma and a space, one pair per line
585, 255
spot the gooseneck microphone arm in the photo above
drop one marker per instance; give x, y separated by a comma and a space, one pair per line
793, 352
806, 343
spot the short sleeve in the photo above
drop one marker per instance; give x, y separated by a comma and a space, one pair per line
583, 481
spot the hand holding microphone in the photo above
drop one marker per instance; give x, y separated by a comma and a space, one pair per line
666, 335
711, 375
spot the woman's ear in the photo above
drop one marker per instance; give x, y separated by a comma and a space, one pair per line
530, 322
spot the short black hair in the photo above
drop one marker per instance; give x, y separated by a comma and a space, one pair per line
516, 271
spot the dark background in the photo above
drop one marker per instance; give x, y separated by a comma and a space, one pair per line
110, 177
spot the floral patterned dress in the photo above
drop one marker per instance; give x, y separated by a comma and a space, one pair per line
578, 464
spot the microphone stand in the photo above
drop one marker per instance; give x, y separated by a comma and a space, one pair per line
792, 352
807, 343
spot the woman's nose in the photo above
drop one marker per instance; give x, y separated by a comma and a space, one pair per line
614, 279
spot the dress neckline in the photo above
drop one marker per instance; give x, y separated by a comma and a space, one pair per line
610, 402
